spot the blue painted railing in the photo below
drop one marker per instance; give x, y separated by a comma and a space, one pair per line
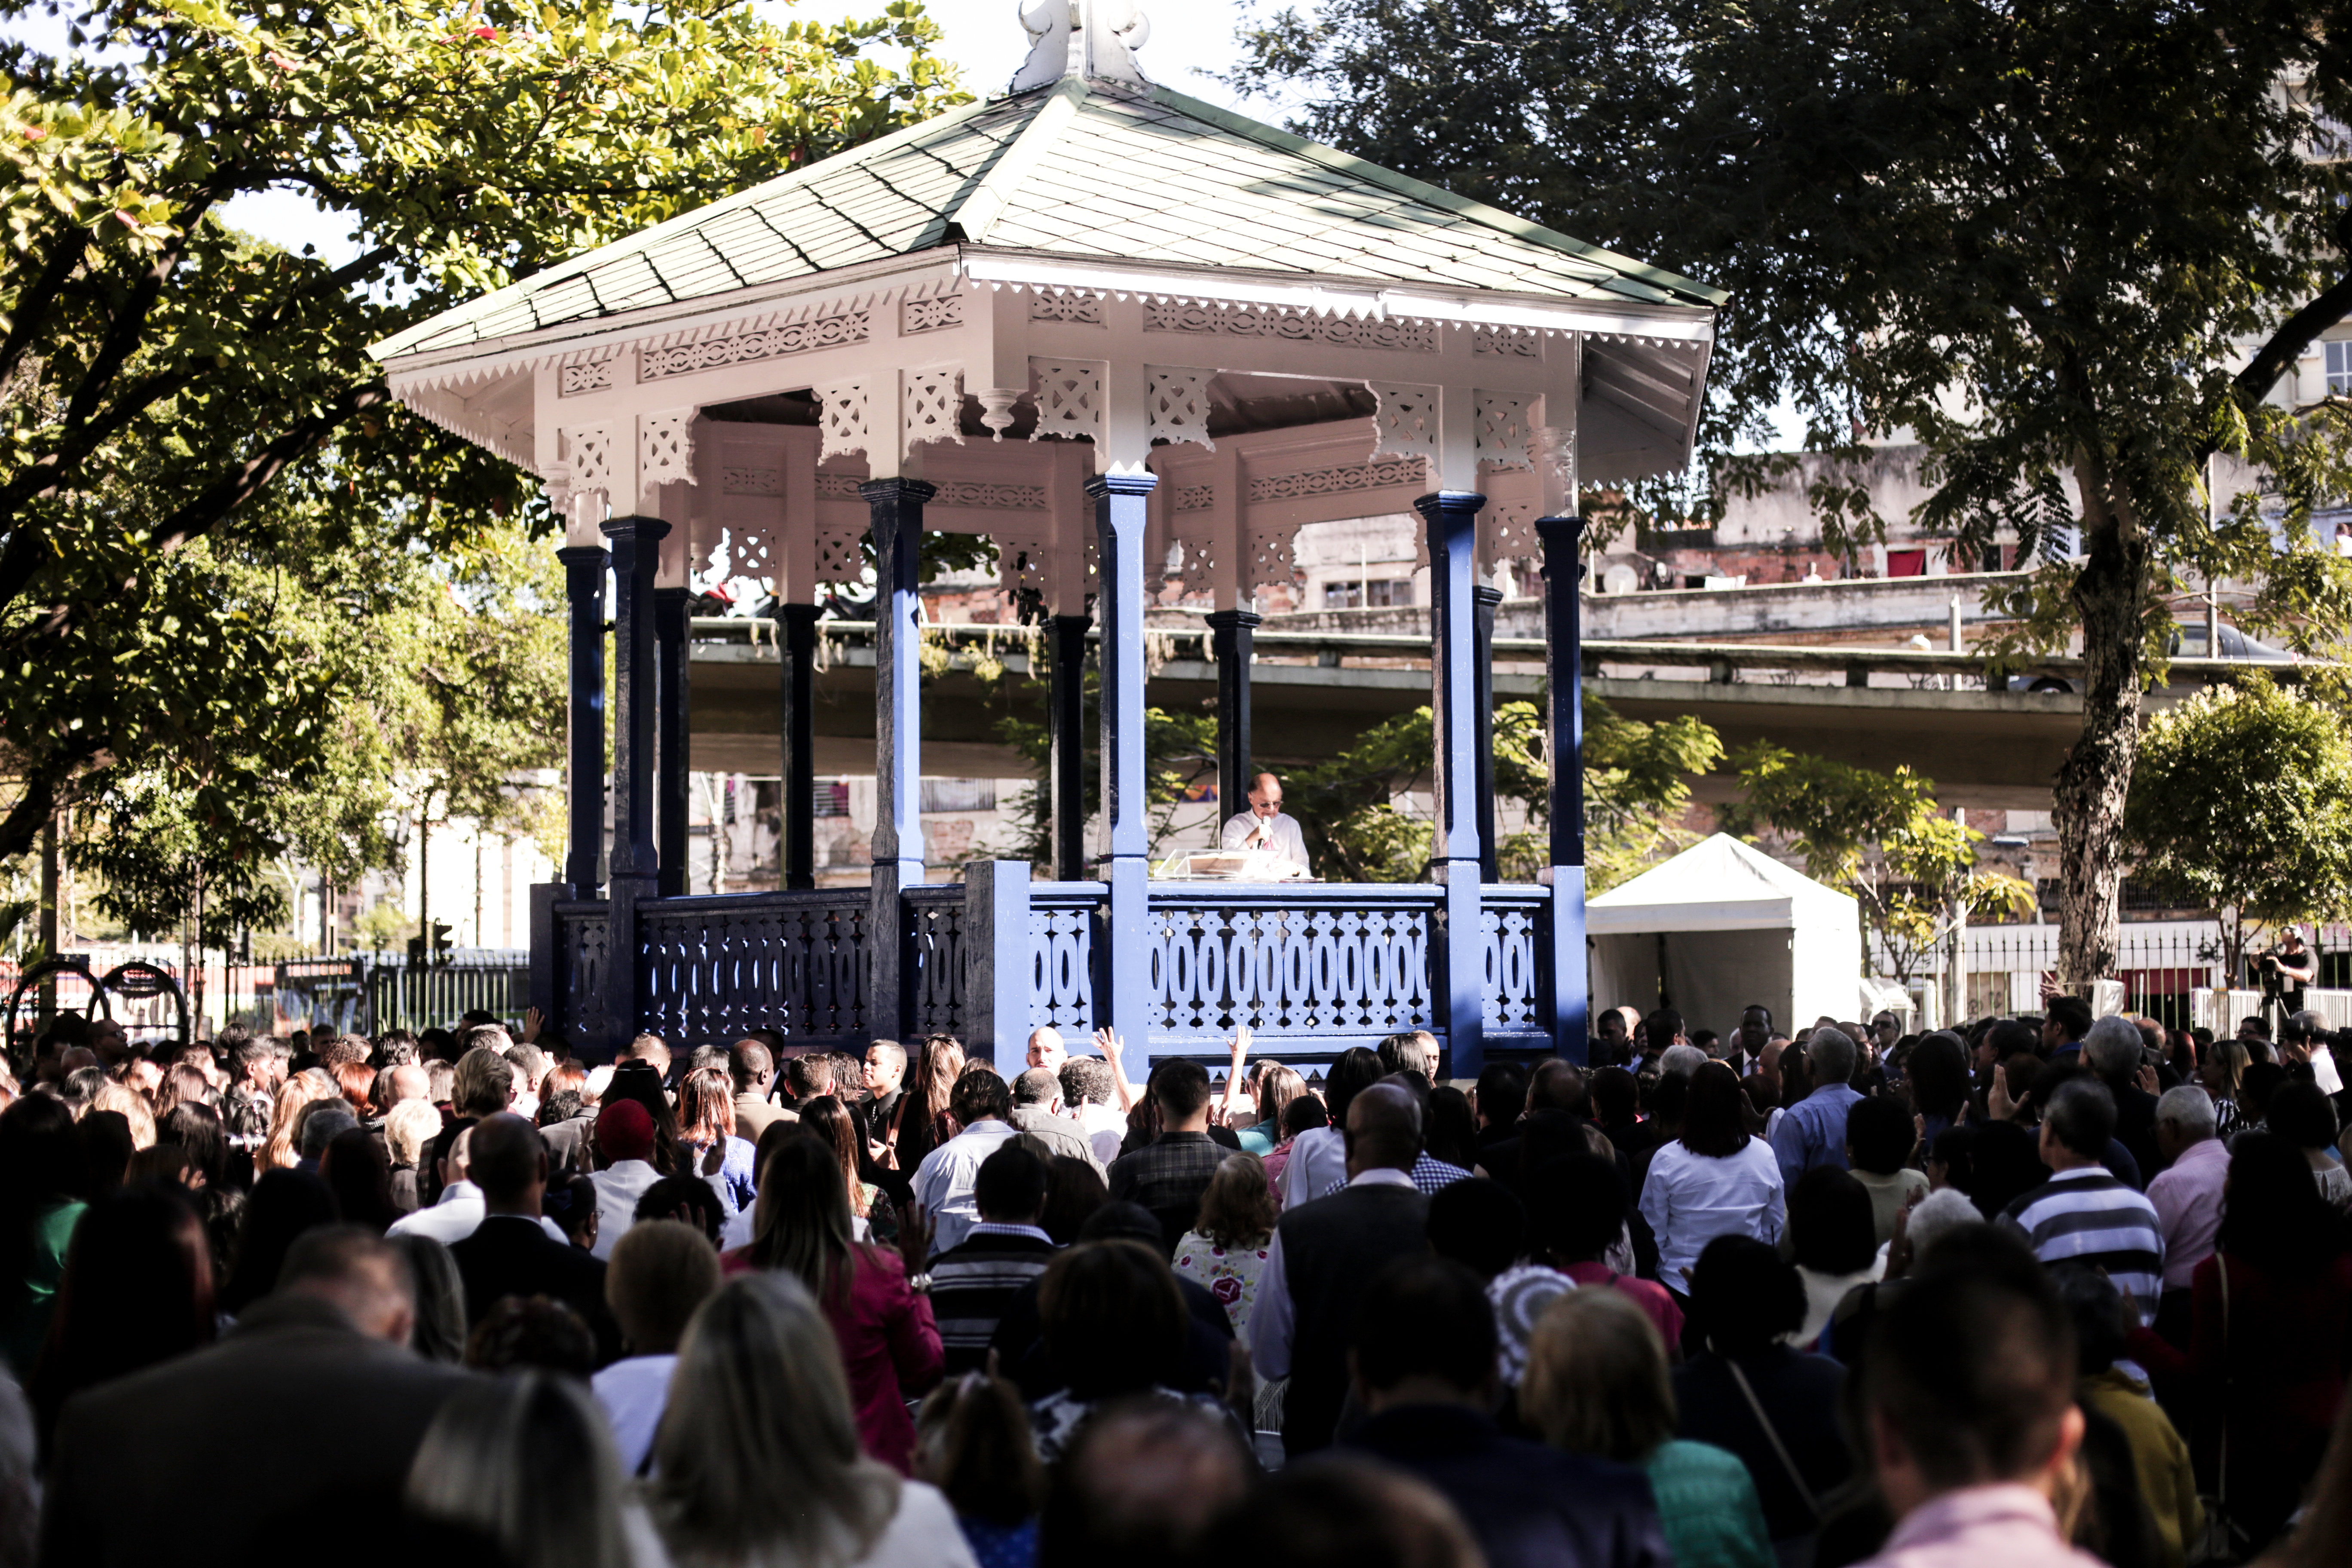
1311, 969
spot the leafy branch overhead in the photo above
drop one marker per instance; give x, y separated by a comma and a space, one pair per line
165, 379
1877, 836
2071, 250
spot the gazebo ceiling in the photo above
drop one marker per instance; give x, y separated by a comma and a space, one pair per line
1238, 403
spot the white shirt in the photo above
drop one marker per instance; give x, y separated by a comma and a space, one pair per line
456, 1217
1319, 1159
1105, 1128
1690, 1199
923, 1533
1271, 1330
633, 1393
617, 1192
1289, 843
945, 1180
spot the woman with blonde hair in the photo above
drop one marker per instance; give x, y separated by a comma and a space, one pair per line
888, 1343
279, 1151
1277, 1086
830, 1119
1226, 1250
922, 1121
1596, 1384
526, 1462
757, 1395
132, 1106
706, 1134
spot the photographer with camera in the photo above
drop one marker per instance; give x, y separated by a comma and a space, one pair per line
2284, 969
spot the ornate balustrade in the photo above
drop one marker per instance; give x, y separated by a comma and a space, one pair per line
1311, 969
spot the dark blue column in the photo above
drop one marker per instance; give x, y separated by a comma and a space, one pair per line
1460, 984
895, 507
796, 653
583, 581
1563, 547
1067, 763
672, 696
1120, 506
1485, 601
1231, 636
636, 864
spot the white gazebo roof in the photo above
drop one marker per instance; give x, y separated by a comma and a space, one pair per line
1717, 884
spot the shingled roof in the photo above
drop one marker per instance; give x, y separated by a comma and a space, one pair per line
1083, 170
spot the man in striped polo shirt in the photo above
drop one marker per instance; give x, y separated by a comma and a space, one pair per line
2083, 1215
974, 1280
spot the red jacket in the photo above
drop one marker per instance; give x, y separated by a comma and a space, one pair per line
889, 1348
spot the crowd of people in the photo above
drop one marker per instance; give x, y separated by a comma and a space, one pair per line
2037, 1291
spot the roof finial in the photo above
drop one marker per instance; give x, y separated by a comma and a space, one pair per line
1095, 39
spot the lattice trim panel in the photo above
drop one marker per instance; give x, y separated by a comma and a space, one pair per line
573, 380
840, 554
1371, 476
1512, 988
1402, 335
1069, 397
1177, 405
1078, 309
1061, 969
845, 422
766, 343
1514, 343
990, 496
1194, 497
1502, 428
934, 405
665, 448
940, 962
750, 481
591, 451
930, 315
1406, 419
718, 973
1298, 971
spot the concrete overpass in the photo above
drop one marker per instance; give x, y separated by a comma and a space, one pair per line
1316, 692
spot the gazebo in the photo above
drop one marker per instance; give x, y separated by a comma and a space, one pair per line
1108, 327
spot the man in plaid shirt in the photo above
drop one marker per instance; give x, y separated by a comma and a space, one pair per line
1169, 1175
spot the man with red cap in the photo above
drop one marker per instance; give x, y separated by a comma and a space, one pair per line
624, 1148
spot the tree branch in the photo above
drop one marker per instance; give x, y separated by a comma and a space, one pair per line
33, 306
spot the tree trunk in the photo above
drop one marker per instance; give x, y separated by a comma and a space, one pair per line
2111, 593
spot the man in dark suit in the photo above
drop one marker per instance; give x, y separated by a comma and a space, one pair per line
1325, 1255
1424, 1362
315, 1394
511, 1253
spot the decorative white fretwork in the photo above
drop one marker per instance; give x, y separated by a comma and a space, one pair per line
840, 556
1178, 407
840, 486
589, 450
1501, 428
555, 483
1069, 397
575, 379
1407, 420
1405, 334
1194, 497
933, 403
768, 342
990, 496
1335, 481
1078, 309
1512, 341
930, 315
665, 448
1508, 532
752, 481
996, 406
750, 551
845, 425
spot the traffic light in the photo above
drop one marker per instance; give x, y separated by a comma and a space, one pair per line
433, 947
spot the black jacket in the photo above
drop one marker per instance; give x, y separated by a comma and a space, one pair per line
510, 1255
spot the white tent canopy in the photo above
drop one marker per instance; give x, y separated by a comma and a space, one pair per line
1723, 926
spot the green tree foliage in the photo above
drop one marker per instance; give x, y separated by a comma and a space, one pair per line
2069, 247
1634, 794
409, 687
1879, 837
1179, 746
166, 380
2243, 804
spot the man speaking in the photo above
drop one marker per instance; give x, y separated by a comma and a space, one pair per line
1263, 827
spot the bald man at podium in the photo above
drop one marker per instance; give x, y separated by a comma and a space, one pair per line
1263, 827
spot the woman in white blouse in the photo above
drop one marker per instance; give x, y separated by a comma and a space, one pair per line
1713, 1181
